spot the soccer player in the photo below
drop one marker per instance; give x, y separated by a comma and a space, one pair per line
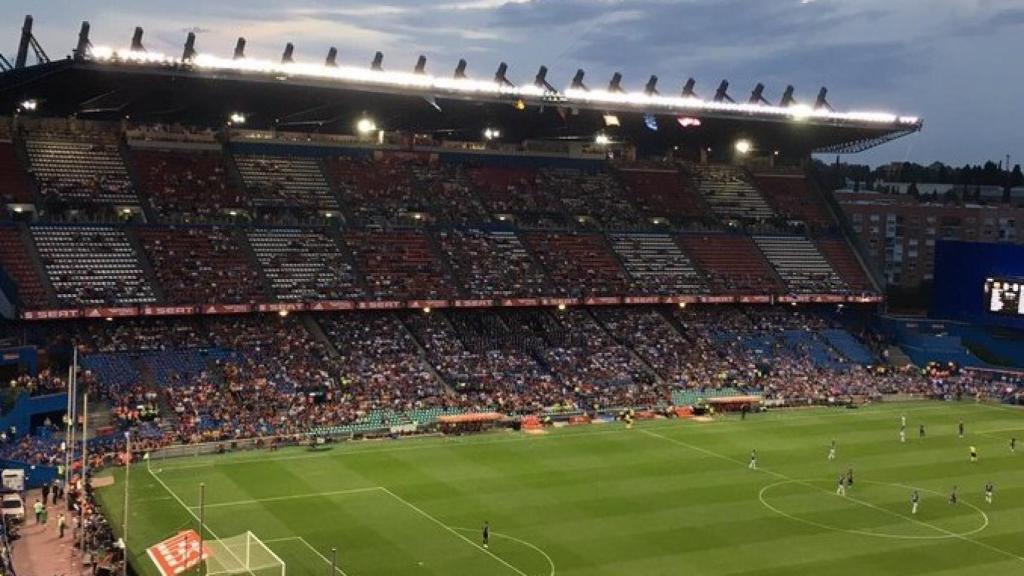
903, 420
914, 499
753, 460
960, 430
849, 478
920, 431
952, 496
903, 434
486, 533
1013, 445
989, 488
628, 417
841, 488
974, 454
832, 451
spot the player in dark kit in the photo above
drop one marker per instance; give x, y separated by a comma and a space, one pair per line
920, 431
960, 429
486, 534
1013, 444
952, 496
849, 478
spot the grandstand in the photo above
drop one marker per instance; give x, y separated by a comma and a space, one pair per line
359, 256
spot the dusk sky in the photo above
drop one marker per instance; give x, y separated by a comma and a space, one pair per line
956, 63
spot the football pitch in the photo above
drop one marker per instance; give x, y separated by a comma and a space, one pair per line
667, 497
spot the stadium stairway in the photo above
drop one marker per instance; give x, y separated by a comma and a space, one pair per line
133, 175
632, 352
421, 351
318, 334
242, 240
446, 265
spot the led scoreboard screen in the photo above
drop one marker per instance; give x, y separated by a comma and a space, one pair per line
1003, 296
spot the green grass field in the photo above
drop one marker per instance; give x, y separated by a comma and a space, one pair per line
668, 497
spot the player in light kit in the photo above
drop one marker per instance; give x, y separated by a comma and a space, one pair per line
903, 434
903, 420
914, 499
832, 451
841, 486
753, 460
974, 454
989, 489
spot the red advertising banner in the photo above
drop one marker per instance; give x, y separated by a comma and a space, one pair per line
380, 305
51, 314
279, 306
211, 309
178, 553
756, 299
118, 312
513, 302
717, 299
331, 305
602, 301
642, 300
168, 310
559, 301
427, 304
680, 299
473, 303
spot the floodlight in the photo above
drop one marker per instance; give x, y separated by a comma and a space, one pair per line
688, 89
137, 40
378, 62
577, 80
190, 47
365, 126
282, 313
287, 56
682, 304
29, 105
426, 309
611, 120
602, 139
615, 85
239, 49
561, 306
541, 80
332, 58
787, 97
821, 101
501, 76
744, 146
651, 89
460, 68
421, 65
492, 133
722, 94
237, 118
757, 95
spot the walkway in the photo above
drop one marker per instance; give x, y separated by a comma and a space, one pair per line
39, 552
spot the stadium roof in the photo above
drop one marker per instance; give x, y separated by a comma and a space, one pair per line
205, 90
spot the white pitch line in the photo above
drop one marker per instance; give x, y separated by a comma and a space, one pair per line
430, 517
324, 558
867, 504
291, 497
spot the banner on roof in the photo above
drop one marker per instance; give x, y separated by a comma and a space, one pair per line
178, 553
168, 310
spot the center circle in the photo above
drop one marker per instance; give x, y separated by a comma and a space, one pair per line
941, 532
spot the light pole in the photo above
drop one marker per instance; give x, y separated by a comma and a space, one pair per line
127, 476
334, 561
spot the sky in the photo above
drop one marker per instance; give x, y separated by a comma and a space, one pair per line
955, 63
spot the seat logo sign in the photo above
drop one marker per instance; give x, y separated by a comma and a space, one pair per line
178, 553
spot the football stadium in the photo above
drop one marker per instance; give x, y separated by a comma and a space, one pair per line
302, 316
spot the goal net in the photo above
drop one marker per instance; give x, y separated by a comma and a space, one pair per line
242, 554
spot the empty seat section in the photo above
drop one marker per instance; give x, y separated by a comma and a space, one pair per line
656, 264
791, 196
80, 172
492, 263
730, 194
15, 259
399, 265
732, 263
187, 185
92, 265
579, 264
845, 262
13, 187
662, 193
200, 265
800, 264
285, 182
303, 265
